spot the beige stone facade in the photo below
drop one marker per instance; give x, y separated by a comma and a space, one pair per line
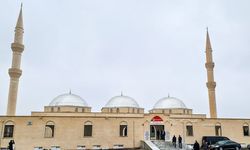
68, 122
30, 131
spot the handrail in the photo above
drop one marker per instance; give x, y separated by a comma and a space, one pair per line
148, 145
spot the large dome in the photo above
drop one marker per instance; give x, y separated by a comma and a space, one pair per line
68, 100
122, 101
168, 103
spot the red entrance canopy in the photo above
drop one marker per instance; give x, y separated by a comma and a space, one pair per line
156, 119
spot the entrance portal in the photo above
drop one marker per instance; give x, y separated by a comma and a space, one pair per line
157, 132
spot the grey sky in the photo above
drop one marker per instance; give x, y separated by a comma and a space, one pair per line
146, 49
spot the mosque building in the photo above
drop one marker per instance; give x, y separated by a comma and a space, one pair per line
67, 122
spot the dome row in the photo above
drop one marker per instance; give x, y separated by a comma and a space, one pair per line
117, 101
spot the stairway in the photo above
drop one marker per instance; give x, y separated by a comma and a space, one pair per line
166, 145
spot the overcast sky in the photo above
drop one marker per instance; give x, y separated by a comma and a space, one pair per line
146, 49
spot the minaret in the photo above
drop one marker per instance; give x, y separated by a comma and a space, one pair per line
211, 84
15, 72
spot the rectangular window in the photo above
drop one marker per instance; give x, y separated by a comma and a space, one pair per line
123, 130
96, 146
81, 147
218, 131
246, 130
49, 131
87, 130
189, 130
55, 148
8, 131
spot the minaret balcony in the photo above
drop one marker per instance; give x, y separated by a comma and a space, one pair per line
15, 72
211, 85
209, 65
17, 47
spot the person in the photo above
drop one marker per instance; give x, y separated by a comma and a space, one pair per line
196, 145
174, 141
204, 145
163, 135
11, 144
157, 135
180, 141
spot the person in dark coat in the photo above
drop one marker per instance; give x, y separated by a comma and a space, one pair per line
163, 135
196, 145
174, 141
180, 142
157, 135
11, 144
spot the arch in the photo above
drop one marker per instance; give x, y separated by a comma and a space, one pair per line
87, 123
50, 123
245, 124
217, 124
123, 123
189, 123
156, 119
9, 122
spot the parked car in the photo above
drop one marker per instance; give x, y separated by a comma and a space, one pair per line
226, 144
208, 140
248, 146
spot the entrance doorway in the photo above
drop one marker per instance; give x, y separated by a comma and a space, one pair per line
157, 132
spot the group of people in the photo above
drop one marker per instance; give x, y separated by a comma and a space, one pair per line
195, 147
179, 141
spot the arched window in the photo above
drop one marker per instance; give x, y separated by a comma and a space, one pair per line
123, 129
218, 130
88, 128
8, 129
245, 129
49, 129
189, 129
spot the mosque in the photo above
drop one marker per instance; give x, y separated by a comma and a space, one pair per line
68, 123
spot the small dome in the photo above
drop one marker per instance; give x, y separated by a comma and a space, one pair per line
122, 101
168, 103
68, 100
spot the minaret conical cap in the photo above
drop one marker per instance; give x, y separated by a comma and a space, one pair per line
208, 44
19, 23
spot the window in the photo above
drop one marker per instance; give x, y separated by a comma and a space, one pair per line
81, 147
246, 129
218, 131
96, 146
49, 130
123, 129
189, 128
88, 128
55, 148
118, 146
8, 130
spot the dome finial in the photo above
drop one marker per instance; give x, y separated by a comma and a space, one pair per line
69, 91
121, 93
168, 95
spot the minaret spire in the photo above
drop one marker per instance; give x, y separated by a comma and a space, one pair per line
15, 72
211, 84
